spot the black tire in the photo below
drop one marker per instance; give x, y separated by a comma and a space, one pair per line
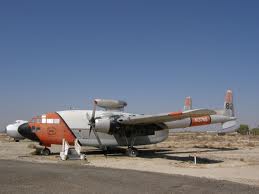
132, 152
45, 152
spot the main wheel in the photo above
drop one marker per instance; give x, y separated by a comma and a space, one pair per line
132, 152
45, 152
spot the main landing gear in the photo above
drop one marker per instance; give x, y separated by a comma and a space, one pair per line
45, 151
131, 151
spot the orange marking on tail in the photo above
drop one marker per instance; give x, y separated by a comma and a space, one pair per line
229, 97
187, 101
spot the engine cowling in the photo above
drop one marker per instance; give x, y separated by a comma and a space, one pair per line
103, 125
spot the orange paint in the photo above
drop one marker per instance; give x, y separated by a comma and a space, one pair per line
52, 133
187, 102
175, 114
197, 121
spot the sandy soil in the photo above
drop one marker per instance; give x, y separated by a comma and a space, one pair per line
231, 157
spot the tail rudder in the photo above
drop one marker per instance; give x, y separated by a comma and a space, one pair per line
188, 103
228, 104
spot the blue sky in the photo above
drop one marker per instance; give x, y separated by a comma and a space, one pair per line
57, 54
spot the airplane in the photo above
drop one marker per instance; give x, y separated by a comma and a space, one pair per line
113, 127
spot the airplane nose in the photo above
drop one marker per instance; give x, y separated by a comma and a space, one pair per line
26, 131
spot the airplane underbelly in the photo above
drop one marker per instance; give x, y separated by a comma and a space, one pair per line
117, 140
158, 137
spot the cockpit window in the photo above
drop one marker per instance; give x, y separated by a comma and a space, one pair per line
35, 129
33, 120
45, 120
56, 121
38, 120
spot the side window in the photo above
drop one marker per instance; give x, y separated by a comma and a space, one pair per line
43, 120
33, 120
38, 120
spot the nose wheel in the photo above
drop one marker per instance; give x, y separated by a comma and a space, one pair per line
45, 152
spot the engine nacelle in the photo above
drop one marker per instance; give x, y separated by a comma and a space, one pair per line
103, 125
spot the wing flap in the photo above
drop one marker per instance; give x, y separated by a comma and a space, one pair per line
166, 117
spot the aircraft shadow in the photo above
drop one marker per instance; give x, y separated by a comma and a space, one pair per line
164, 153
161, 153
169, 156
216, 148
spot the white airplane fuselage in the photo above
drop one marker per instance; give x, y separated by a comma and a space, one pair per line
78, 123
51, 128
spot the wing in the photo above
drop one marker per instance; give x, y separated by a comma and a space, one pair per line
167, 117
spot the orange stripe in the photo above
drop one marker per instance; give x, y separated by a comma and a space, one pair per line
197, 121
175, 114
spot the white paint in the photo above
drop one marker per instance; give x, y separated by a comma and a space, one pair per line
50, 121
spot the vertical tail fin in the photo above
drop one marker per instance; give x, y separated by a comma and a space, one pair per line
228, 104
187, 103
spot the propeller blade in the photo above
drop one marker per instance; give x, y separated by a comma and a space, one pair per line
94, 110
92, 128
88, 117
100, 143
92, 118
90, 131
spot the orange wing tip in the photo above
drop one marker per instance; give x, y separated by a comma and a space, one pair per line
174, 114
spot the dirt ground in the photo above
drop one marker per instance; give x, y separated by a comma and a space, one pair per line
230, 157
30, 178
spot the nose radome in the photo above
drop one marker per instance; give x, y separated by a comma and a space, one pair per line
12, 131
26, 131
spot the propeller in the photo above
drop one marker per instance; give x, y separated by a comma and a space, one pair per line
92, 127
